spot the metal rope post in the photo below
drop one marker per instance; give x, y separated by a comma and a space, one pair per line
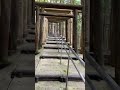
82, 62
67, 71
61, 48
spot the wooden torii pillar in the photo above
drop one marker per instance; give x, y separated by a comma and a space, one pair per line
75, 33
66, 28
29, 15
68, 32
4, 33
97, 30
13, 28
60, 28
41, 28
33, 11
115, 38
16, 25
82, 37
20, 21
37, 29
25, 17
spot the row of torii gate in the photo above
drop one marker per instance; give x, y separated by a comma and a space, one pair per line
62, 17
49, 15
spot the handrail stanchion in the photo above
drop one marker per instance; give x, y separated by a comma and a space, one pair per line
83, 63
67, 71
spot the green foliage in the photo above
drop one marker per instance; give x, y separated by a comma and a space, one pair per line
74, 2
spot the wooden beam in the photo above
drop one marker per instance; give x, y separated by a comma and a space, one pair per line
56, 15
60, 6
53, 10
57, 19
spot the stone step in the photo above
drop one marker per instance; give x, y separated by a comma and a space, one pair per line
60, 78
23, 72
56, 57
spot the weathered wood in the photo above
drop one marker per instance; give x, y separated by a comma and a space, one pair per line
25, 17
60, 6
45, 30
56, 15
53, 10
66, 29
37, 29
60, 28
82, 39
16, 26
20, 18
41, 28
33, 11
97, 28
75, 33
116, 37
0, 7
63, 32
13, 28
82, 42
29, 15
71, 31
87, 23
56, 19
4, 30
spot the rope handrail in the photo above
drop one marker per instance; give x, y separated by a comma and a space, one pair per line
80, 59
82, 62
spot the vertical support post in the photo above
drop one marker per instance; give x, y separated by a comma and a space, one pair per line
87, 23
116, 37
75, 36
25, 10
97, 28
13, 28
83, 29
20, 20
41, 27
66, 28
71, 31
37, 29
33, 11
29, 13
4, 33
60, 28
